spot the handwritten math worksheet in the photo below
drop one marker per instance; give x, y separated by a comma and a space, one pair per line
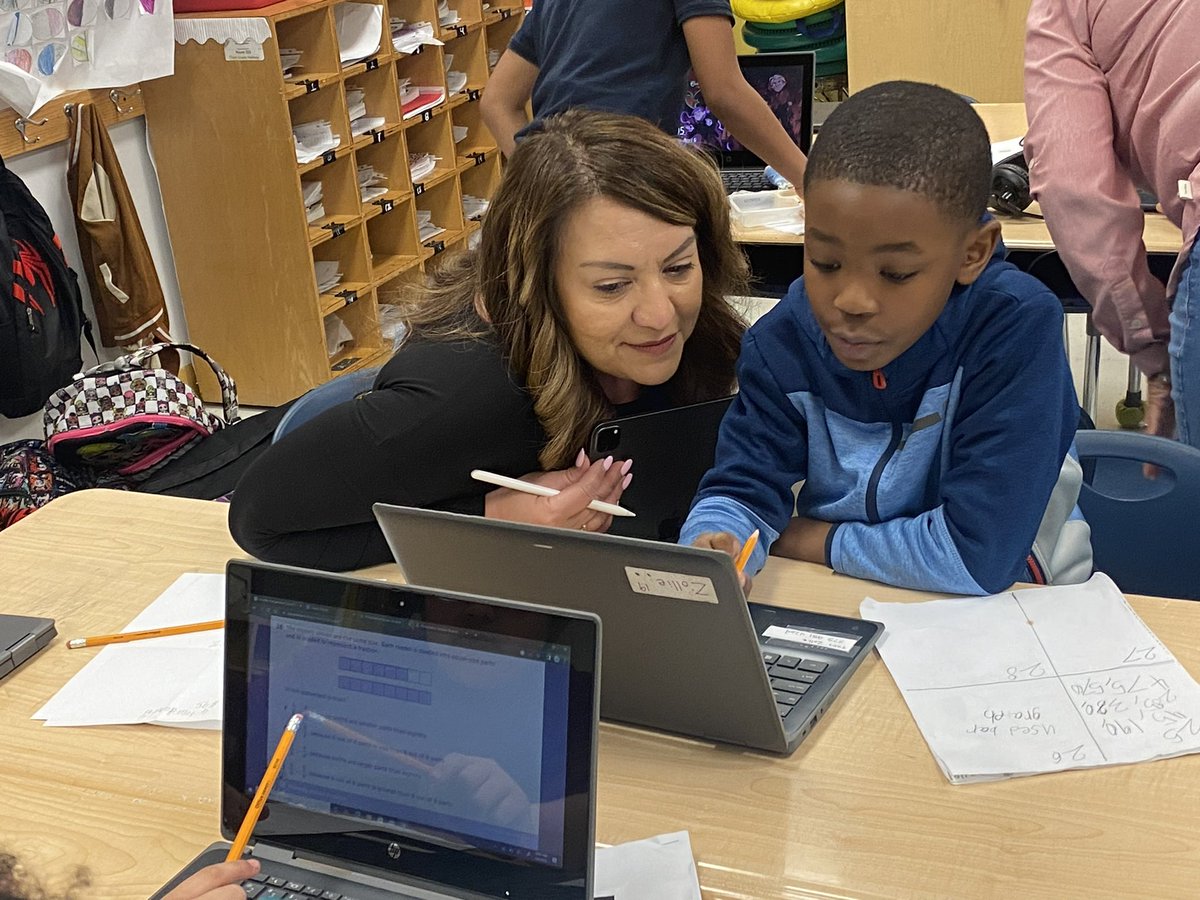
1037, 680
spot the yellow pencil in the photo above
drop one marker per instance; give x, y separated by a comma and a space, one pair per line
100, 639
264, 788
747, 549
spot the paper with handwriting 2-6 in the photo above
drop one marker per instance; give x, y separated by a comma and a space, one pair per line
1037, 680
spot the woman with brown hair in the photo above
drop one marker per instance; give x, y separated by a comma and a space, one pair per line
598, 289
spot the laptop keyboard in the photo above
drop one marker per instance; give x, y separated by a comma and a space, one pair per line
745, 180
265, 886
791, 677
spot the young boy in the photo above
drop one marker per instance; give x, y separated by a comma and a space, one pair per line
912, 380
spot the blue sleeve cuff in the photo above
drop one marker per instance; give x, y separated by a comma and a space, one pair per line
715, 514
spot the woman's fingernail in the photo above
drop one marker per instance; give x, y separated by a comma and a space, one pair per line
625, 481
626, 466
608, 461
580, 459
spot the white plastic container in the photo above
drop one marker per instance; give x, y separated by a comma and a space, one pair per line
758, 209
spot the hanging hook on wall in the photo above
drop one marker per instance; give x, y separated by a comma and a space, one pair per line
22, 122
119, 96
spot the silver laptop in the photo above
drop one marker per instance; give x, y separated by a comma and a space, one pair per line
785, 82
448, 747
683, 651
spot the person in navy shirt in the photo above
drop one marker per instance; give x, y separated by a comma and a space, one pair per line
632, 56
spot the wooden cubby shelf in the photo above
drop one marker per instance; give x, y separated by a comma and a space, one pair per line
235, 193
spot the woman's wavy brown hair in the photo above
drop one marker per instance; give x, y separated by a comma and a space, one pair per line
561, 163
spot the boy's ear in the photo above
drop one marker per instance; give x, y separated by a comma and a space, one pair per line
981, 243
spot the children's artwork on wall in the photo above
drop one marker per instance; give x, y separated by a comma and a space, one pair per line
51, 46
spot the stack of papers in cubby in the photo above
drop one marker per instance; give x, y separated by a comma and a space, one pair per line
446, 15
337, 335
314, 207
371, 184
356, 106
474, 207
313, 139
328, 275
456, 82
289, 58
415, 99
426, 229
359, 29
493, 57
460, 133
421, 165
408, 36
391, 324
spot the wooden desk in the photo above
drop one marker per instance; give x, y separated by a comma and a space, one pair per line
1005, 121
860, 810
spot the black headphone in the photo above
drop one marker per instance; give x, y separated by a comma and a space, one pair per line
1010, 187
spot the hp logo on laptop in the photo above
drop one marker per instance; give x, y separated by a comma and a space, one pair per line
394, 850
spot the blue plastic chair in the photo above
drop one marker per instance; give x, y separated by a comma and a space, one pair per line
1144, 534
339, 390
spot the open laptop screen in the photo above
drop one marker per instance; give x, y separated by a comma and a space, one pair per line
785, 81
438, 732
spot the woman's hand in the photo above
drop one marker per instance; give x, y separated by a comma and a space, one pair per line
726, 543
222, 881
577, 486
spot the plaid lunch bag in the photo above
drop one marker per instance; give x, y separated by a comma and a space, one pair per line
124, 418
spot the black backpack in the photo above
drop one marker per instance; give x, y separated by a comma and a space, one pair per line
41, 309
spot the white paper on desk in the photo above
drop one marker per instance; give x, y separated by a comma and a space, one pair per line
172, 680
658, 868
1038, 680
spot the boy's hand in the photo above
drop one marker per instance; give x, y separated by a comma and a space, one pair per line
220, 881
803, 539
726, 543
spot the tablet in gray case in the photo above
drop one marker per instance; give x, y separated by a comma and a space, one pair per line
20, 638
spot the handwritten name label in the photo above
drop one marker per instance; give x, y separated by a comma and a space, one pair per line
675, 585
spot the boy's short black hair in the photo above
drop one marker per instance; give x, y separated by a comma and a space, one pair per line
912, 136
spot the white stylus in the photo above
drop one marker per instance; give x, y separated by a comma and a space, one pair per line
529, 487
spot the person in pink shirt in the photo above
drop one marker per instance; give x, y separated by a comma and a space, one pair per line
1112, 91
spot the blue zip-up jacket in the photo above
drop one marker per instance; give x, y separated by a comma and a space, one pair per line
936, 481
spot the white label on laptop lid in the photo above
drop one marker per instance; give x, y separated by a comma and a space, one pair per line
675, 585
810, 638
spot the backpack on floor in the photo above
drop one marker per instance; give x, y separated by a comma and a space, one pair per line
41, 309
29, 479
124, 418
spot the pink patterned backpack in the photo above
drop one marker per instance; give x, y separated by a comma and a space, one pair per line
123, 418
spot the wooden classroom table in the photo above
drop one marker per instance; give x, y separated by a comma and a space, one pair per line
859, 810
1005, 121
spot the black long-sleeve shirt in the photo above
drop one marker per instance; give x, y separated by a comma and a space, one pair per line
439, 409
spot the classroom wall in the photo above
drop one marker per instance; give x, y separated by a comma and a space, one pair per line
45, 171
974, 47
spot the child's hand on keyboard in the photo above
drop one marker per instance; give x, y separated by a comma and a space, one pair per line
222, 881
